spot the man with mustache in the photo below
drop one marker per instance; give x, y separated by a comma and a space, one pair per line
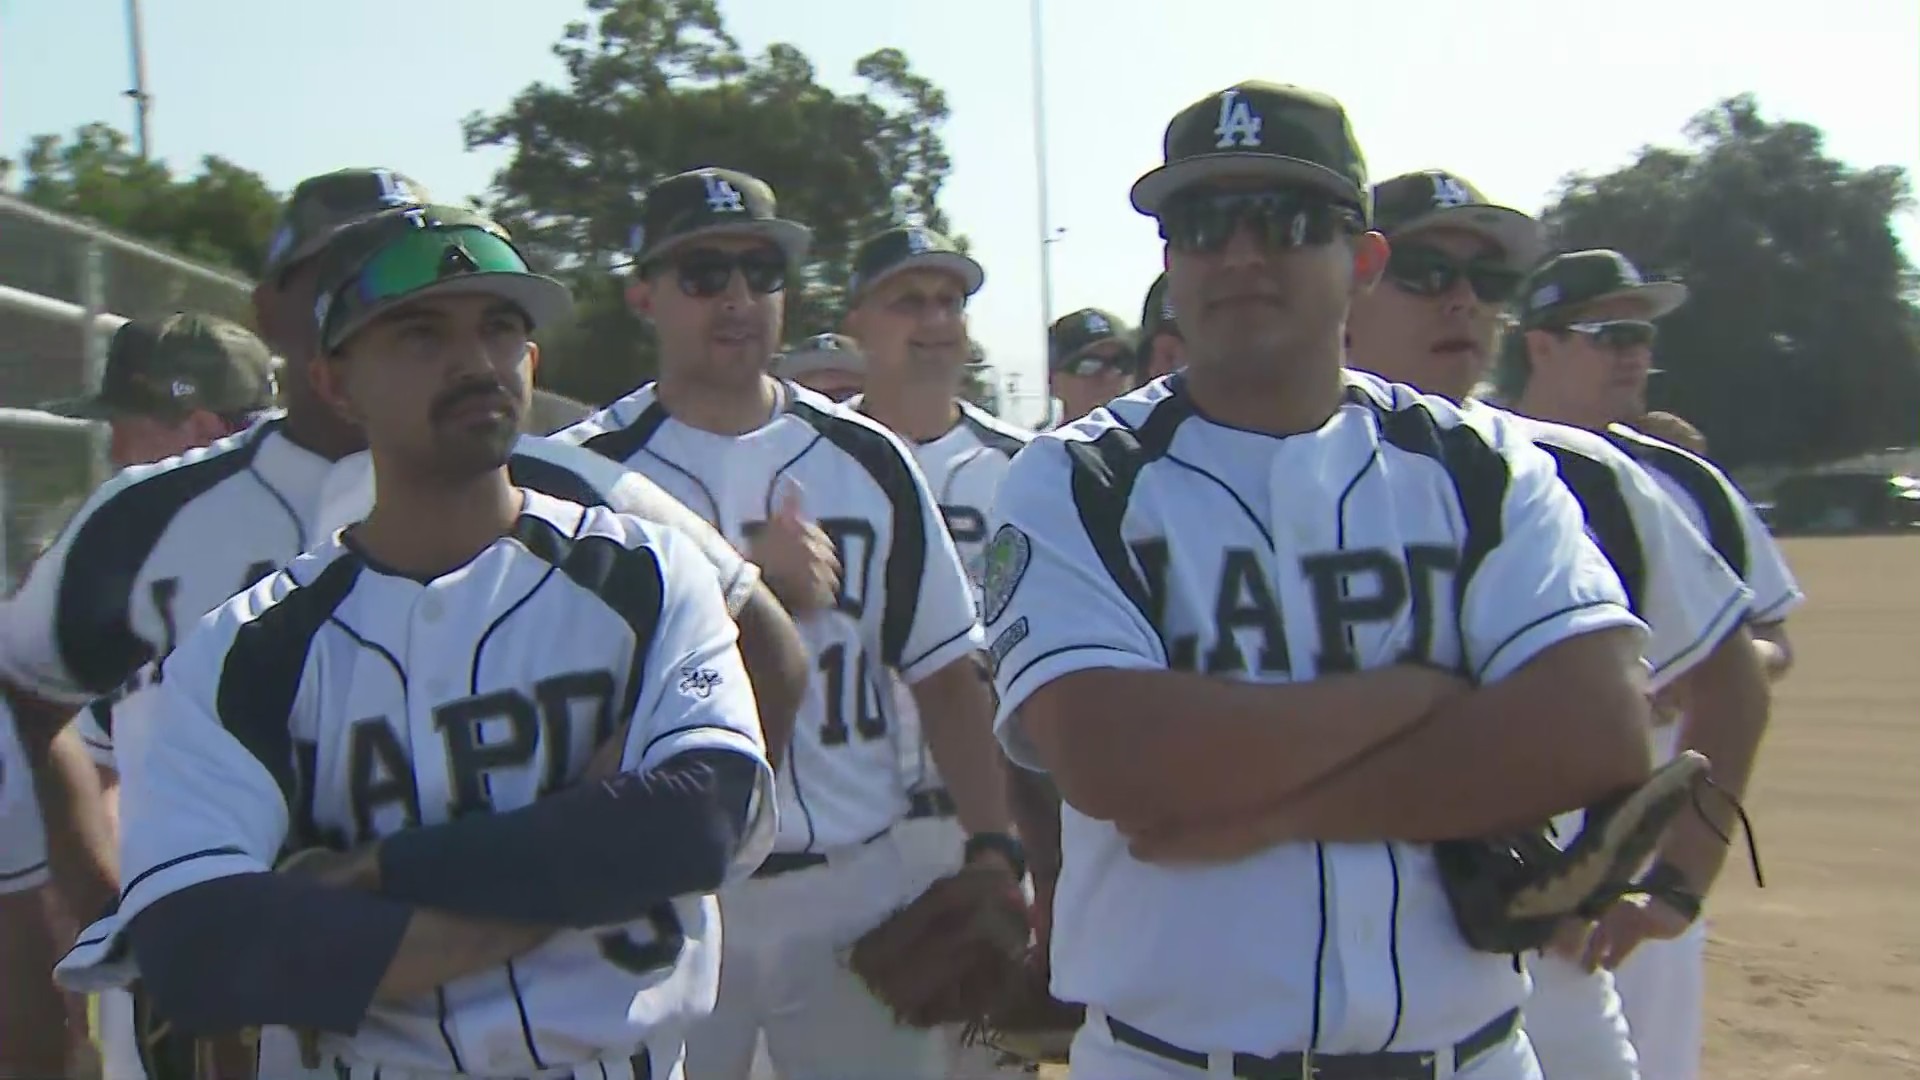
1588, 326
844, 527
155, 548
907, 305
1456, 260
1090, 361
526, 718
1256, 620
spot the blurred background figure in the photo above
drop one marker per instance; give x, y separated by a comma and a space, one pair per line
830, 364
1090, 361
1162, 349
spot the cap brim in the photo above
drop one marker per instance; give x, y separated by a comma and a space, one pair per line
1522, 240
544, 300
792, 365
1661, 297
1151, 190
1126, 360
791, 237
970, 273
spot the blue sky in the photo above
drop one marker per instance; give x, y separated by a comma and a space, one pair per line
1513, 94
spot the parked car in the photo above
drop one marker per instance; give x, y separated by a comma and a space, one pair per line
1846, 501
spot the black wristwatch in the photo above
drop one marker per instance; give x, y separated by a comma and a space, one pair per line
1000, 844
1664, 882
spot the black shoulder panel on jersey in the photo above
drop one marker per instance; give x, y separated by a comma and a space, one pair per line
622, 443
92, 622
1704, 488
1478, 472
1103, 474
1609, 521
547, 478
907, 558
1004, 441
260, 675
631, 581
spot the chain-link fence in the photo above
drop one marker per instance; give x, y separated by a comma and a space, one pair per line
64, 287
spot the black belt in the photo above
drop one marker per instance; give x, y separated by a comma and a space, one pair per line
1307, 1065
934, 802
786, 862
641, 1063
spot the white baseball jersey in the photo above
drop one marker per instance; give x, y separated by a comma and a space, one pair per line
342, 493
338, 703
904, 604
1145, 537
1724, 516
964, 468
23, 840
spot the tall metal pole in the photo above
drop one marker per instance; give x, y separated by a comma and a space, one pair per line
141, 100
1040, 175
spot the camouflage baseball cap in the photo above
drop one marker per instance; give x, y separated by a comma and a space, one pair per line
1072, 336
321, 204
169, 367
1569, 282
911, 247
1432, 199
713, 202
1262, 130
821, 352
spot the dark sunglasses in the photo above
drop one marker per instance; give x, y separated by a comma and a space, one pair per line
706, 272
1616, 335
1202, 221
1424, 271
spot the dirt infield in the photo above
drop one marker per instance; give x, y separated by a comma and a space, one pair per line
1818, 975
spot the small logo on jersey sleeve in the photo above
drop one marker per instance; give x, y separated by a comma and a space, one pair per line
698, 682
1006, 563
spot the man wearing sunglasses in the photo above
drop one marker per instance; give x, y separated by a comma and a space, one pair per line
532, 893
153, 550
1217, 630
1588, 319
845, 528
1090, 360
831, 365
1457, 258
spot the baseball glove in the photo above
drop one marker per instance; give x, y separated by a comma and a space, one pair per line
1510, 893
1030, 1025
951, 956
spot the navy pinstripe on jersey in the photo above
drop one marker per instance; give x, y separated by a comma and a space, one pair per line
1145, 536
904, 603
339, 702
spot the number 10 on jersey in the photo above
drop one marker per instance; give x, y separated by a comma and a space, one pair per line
846, 687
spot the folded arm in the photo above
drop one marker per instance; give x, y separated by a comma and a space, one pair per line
1728, 706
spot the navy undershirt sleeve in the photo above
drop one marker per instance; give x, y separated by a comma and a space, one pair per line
257, 949
592, 855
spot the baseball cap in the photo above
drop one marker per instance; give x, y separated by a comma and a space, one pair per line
370, 267
911, 247
712, 202
1071, 336
172, 366
321, 204
821, 352
1259, 129
1156, 315
1571, 281
1432, 199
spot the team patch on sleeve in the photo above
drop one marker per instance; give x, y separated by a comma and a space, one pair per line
698, 682
1004, 643
1005, 561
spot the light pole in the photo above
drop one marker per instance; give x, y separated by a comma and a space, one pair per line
138, 93
1048, 234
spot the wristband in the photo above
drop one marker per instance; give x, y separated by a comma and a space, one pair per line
1000, 844
1664, 882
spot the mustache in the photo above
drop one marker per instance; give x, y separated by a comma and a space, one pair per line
472, 388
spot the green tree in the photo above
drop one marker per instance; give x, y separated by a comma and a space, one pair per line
1799, 341
655, 87
223, 216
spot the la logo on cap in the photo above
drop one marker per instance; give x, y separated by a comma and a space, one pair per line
1448, 191
1238, 124
824, 343
723, 197
917, 242
1097, 325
